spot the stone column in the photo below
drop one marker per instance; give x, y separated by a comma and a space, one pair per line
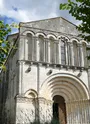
54, 52
38, 49
49, 110
69, 53
87, 111
66, 52
21, 48
72, 54
44, 59
81, 113
57, 52
26, 48
45, 110
73, 112
81, 56
67, 113
46, 50
89, 78
59, 48
33, 48
49, 51
21, 63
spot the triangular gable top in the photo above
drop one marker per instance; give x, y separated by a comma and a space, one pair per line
57, 24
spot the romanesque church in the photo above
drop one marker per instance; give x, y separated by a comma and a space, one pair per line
47, 75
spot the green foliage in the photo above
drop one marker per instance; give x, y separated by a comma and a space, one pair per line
14, 25
80, 9
4, 44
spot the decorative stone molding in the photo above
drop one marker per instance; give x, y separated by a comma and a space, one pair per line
28, 32
21, 99
44, 101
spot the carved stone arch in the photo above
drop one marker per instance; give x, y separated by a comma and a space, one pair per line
31, 94
28, 32
51, 36
40, 34
83, 42
73, 87
74, 40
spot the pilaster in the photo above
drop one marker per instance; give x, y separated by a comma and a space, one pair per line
21, 63
21, 47
81, 55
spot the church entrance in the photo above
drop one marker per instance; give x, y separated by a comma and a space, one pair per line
59, 110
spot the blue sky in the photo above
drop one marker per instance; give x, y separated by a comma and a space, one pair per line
30, 10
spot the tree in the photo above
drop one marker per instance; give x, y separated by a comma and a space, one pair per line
4, 44
80, 9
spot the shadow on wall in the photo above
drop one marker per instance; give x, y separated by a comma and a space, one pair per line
53, 121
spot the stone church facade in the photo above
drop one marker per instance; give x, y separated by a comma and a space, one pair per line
47, 75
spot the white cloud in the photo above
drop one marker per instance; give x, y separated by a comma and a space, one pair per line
1, 4
28, 10
25, 12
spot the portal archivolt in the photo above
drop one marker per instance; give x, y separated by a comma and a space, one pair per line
70, 98
69, 87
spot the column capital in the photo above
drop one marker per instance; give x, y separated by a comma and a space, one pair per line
79, 45
71, 44
64, 38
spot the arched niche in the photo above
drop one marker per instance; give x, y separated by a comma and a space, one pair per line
52, 49
64, 46
76, 53
31, 94
28, 32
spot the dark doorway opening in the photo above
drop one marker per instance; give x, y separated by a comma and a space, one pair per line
59, 109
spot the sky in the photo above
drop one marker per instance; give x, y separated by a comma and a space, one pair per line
31, 10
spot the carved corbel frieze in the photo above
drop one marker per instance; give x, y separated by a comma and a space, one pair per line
63, 38
21, 99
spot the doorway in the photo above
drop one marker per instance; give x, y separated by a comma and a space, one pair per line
59, 109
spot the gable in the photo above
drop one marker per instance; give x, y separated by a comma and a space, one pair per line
58, 24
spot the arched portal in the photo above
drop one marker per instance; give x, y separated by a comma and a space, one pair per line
70, 96
59, 109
